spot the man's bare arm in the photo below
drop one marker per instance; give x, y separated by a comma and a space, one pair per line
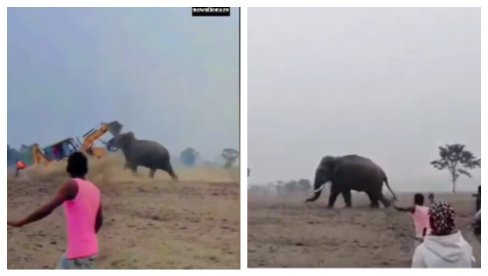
408, 209
67, 192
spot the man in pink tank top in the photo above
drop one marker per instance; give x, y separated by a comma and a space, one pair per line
420, 216
81, 200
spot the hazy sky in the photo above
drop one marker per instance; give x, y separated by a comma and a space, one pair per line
391, 84
160, 72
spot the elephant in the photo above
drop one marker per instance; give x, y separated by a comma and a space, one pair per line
144, 153
351, 172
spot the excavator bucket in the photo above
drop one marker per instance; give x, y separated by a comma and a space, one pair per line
96, 134
114, 128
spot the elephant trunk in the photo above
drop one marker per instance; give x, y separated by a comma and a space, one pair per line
318, 187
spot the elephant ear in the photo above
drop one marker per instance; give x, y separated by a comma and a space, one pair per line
123, 140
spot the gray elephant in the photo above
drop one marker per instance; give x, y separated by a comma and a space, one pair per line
144, 153
350, 172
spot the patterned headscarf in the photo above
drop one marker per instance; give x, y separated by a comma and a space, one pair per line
441, 218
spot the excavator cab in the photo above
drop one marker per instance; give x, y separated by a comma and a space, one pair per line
61, 149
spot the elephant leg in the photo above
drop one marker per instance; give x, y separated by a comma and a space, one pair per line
133, 168
385, 201
374, 201
347, 197
332, 198
152, 172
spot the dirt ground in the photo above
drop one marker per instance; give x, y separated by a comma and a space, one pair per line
285, 232
148, 223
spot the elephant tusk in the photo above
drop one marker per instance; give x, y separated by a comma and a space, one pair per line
318, 189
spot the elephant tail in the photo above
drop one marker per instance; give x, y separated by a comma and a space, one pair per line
389, 188
172, 173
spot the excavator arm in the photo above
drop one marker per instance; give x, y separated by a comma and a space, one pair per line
94, 135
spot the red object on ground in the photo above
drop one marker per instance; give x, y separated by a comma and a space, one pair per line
20, 165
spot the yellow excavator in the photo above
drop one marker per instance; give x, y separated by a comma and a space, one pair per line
33, 155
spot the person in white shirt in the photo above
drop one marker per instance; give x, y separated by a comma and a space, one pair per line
477, 216
445, 246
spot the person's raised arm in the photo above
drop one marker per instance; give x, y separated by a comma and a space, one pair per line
67, 192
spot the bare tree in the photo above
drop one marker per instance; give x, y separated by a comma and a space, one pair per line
457, 161
230, 156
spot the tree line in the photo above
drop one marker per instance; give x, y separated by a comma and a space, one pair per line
189, 156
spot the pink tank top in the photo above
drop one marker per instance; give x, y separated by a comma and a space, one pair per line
421, 221
81, 214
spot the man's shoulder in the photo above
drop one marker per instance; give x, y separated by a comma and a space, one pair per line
93, 185
70, 189
87, 183
423, 209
